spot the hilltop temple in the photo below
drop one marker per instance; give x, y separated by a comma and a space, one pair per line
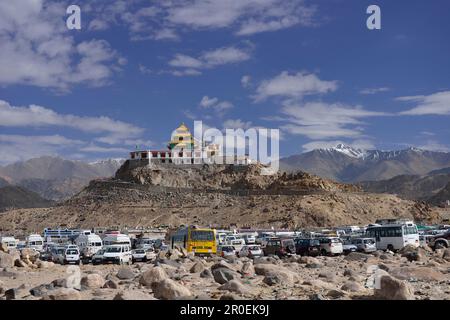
183, 148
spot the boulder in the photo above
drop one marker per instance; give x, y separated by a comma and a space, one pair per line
45, 264
29, 254
133, 295
413, 253
155, 274
417, 273
390, 288
308, 260
6, 260
41, 290
4, 247
335, 294
357, 256
110, 284
168, 289
222, 275
446, 255
274, 274
352, 286
206, 274
92, 281
234, 286
247, 269
62, 294
21, 263
223, 264
125, 273
197, 268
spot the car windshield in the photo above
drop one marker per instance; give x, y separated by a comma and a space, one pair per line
369, 241
114, 249
139, 251
254, 248
227, 249
314, 243
72, 251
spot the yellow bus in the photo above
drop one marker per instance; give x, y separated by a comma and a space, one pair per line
201, 241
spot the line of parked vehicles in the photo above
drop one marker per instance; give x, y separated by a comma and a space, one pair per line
111, 246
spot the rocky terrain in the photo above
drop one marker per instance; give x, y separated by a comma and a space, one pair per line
412, 187
218, 197
18, 197
410, 274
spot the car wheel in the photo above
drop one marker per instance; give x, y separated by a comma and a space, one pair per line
390, 247
439, 245
323, 252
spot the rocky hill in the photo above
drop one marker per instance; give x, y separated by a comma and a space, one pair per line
17, 197
219, 196
56, 178
346, 164
441, 197
411, 187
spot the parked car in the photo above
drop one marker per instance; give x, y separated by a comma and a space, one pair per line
252, 251
348, 246
226, 251
366, 245
97, 258
64, 256
280, 247
330, 246
249, 239
57, 254
117, 253
440, 240
71, 256
307, 247
139, 255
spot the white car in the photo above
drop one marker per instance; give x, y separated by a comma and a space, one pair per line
139, 255
71, 256
251, 251
120, 254
226, 251
331, 246
366, 245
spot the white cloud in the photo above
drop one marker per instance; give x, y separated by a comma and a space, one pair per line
37, 116
166, 20
369, 91
433, 145
215, 104
38, 49
318, 120
246, 81
236, 124
15, 148
434, 104
99, 149
207, 60
296, 85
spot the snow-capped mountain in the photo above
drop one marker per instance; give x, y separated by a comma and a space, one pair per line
347, 150
347, 164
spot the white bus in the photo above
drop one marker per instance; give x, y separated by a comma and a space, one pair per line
89, 244
9, 242
116, 238
394, 236
36, 242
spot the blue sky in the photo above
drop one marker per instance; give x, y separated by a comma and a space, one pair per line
138, 68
